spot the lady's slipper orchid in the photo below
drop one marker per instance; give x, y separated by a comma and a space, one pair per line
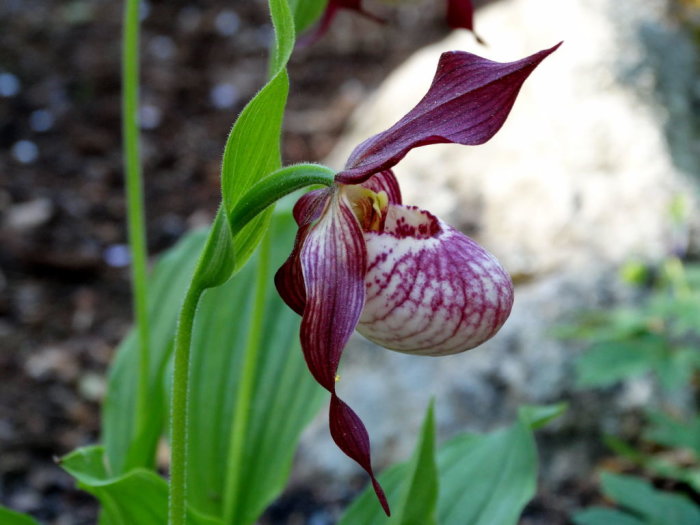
398, 274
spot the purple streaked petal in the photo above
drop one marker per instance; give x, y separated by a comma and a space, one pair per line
385, 181
430, 289
289, 279
467, 103
333, 261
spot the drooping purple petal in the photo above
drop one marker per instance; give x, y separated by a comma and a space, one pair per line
385, 181
467, 103
430, 289
333, 261
289, 279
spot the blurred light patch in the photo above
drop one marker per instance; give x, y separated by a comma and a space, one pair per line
189, 19
41, 120
9, 85
25, 151
150, 116
224, 95
117, 255
227, 23
144, 10
162, 47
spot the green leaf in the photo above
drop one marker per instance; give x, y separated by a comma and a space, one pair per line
285, 35
139, 497
603, 516
484, 480
167, 288
418, 506
654, 506
675, 368
285, 397
487, 479
10, 517
306, 12
606, 363
252, 149
411, 488
673, 433
538, 416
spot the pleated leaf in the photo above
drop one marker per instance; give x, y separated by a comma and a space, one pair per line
167, 288
139, 497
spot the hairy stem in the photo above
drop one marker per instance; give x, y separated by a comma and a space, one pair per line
275, 186
179, 410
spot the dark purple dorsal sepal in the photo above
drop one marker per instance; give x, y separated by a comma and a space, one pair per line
467, 103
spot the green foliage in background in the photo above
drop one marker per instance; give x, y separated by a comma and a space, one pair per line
660, 336
480, 479
639, 504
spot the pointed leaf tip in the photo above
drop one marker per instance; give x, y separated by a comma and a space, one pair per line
467, 103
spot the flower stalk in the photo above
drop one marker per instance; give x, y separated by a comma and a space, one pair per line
134, 202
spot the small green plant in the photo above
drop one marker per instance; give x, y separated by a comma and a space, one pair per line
659, 337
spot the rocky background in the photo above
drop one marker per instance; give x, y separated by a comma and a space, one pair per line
604, 136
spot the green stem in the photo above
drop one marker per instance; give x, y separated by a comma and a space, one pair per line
134, 199
241, 414
275, 186
179, 408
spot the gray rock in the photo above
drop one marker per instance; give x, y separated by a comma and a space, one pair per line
578, 181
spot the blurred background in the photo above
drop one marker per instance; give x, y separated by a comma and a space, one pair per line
596, 171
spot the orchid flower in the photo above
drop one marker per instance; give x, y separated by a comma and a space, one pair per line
460, 14
398, 274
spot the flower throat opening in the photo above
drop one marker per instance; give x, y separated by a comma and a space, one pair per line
370, 208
